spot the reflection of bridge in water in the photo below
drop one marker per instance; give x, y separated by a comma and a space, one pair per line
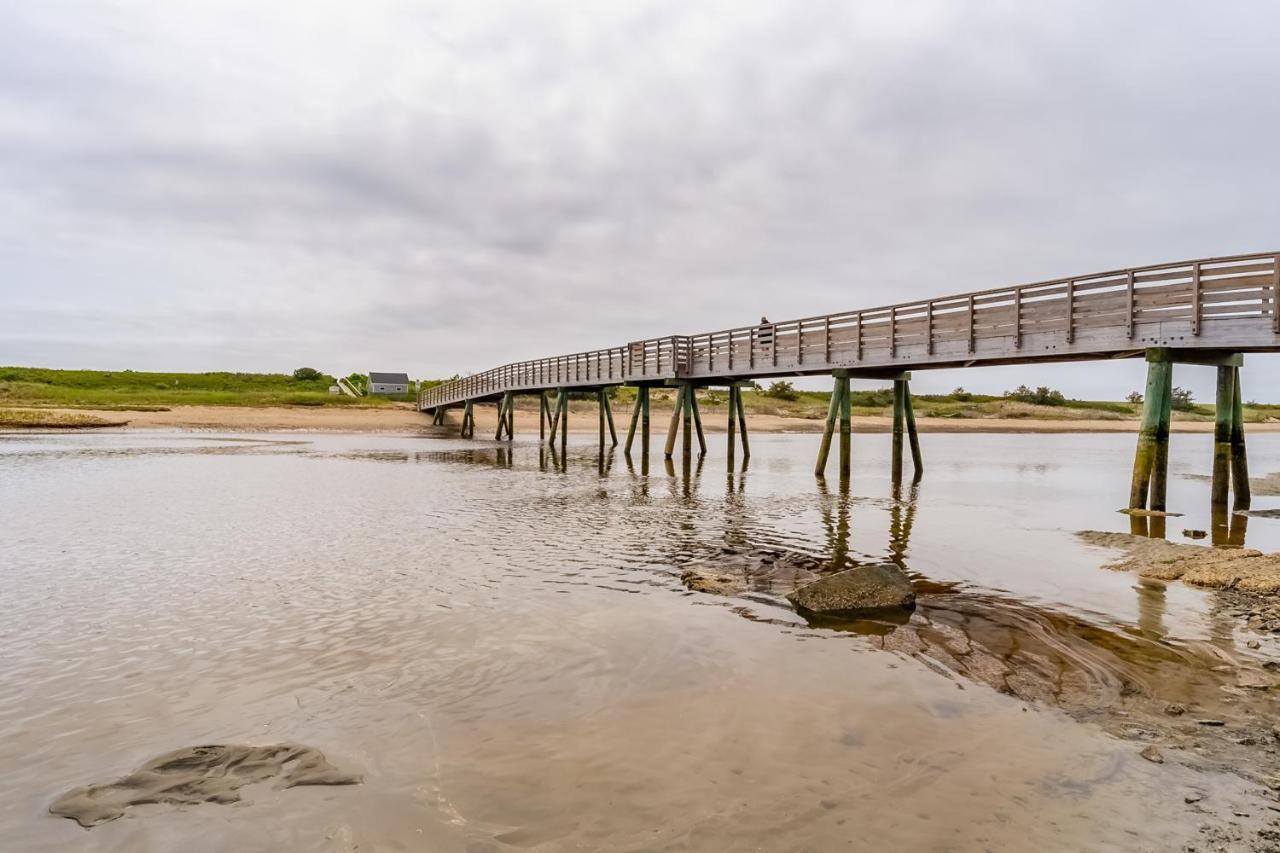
1115, 672
1208, 311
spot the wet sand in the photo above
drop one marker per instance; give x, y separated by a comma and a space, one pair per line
583, 419
501, 646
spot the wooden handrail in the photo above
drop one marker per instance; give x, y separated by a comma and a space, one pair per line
1198, 291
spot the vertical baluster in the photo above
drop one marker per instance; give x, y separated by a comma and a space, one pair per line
972, 340
1195, 299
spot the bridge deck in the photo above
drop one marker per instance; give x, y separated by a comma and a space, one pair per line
1225, 303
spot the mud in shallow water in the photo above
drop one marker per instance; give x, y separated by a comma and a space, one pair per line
200, 774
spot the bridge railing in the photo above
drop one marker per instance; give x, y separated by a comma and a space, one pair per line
652, 359
1235, 287
1190, 293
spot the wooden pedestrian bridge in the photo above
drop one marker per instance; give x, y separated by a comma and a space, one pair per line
1206, 311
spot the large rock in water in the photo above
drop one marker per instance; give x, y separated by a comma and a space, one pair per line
864, 589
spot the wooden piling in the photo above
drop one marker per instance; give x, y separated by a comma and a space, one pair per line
608, 416
1160, 462
1239, 460
544, 415
899, 422
631, 428
670, 448
742, 426
733, 417
824, 449
913, 437
644, 424
1223, 409
600, 404
563, 418
688, 422
697, 423
1159, 372
555, 417
846, 425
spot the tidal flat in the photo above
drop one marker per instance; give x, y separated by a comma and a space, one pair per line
496, 641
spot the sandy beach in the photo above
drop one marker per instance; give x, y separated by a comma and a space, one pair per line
404, 419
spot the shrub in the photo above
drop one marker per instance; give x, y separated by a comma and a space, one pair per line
1042, 396
781, 391
1134, 397
1182, 400
961, 395
306, 374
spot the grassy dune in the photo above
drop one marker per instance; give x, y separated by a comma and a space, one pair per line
128, 390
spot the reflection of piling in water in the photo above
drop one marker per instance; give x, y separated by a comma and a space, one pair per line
1228, 529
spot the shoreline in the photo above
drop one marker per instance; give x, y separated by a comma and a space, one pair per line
583, 420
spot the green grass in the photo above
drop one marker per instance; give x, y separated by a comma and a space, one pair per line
128, 390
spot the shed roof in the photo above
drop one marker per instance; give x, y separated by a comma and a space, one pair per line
388, 378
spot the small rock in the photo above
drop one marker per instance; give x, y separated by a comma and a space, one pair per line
1193, 798
1175, 709
1275, 731
881, 586
1254, 644
712, 582
1194, 534
1211, 722
1152, 754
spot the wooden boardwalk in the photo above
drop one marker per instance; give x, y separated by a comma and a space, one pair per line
1225, 304
1207, 311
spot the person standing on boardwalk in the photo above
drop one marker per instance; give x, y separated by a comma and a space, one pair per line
764, 334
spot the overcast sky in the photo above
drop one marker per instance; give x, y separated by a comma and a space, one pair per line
440, 187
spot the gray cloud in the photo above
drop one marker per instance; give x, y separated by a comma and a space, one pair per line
445, 187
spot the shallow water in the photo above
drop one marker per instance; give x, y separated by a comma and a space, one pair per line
498, 641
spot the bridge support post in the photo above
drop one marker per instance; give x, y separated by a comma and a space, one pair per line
506, 417
686, 410
913, 437
1223, 420
560, 420
828, 430
742, 423
1151, 460
697, 422
562, 395
468, 421
1230, 464
899, 423
606, 417
737, 423
846, 424
631, 427
544, 415
608, 414
670, 448
640, 418
1239, 461
688, 422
